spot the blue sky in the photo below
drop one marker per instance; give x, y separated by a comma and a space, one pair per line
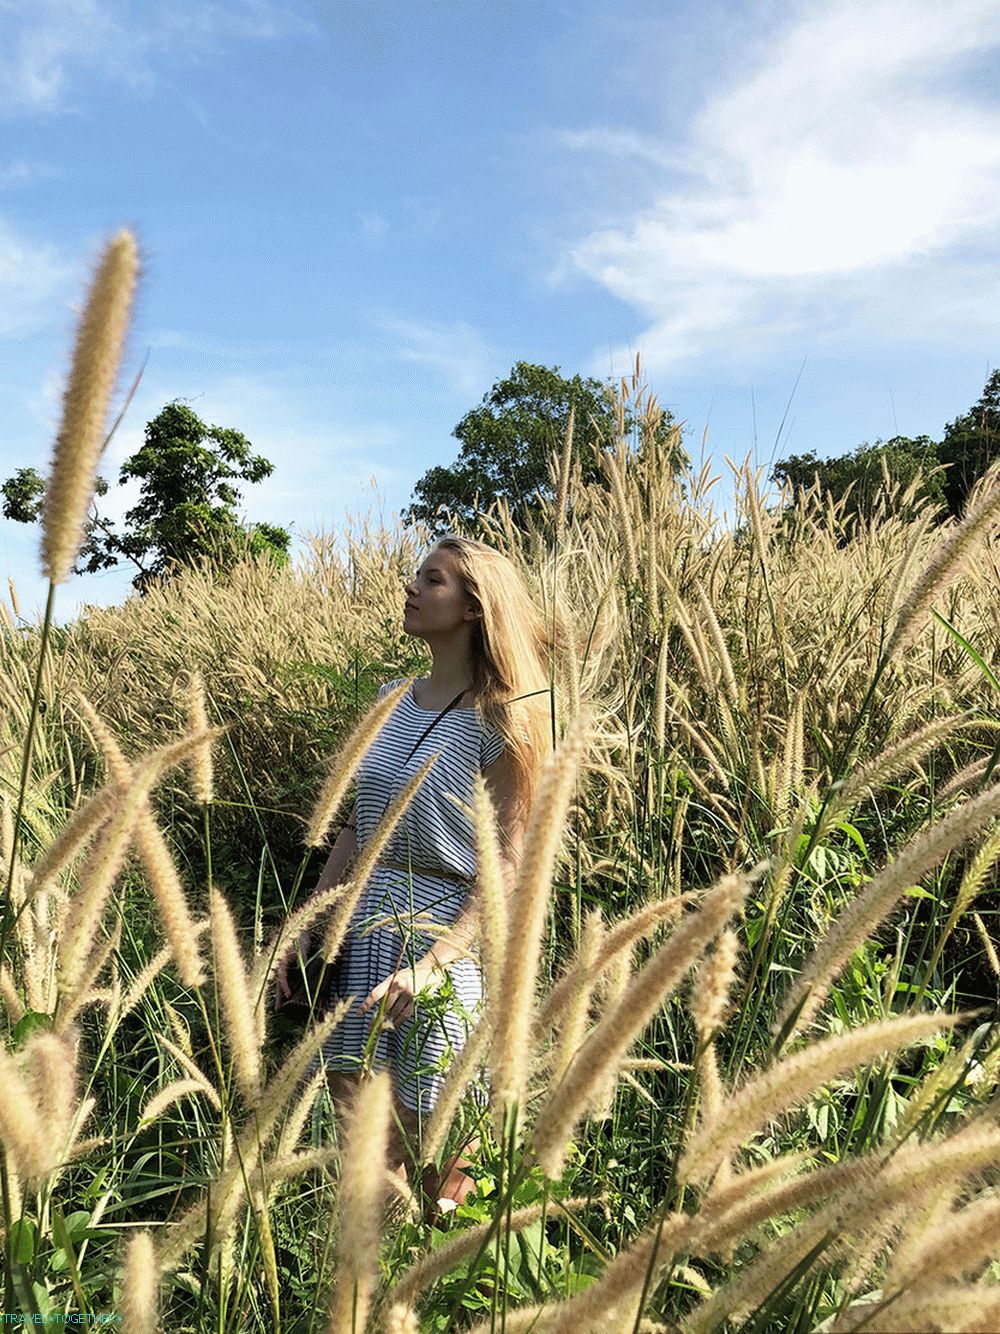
355, 216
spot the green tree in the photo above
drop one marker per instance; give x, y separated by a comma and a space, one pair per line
507, 440
859, 478
970, 445
187, 507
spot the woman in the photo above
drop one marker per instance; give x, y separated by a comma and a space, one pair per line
490, 648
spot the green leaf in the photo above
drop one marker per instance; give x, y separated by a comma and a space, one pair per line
852, 833
23, 1237
986, 670
30, 1022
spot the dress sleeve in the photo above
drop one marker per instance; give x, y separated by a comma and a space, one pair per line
491, 747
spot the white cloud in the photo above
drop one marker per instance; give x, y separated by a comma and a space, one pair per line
34, 280
456, 351
47, 45
21, 175
373, 225
846, 167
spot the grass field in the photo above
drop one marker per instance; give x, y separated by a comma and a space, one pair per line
754, 1081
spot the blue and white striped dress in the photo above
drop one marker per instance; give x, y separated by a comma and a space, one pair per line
437, 831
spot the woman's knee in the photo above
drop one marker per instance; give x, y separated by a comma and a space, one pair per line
343, 1085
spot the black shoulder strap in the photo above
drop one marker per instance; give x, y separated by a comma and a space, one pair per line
432, 722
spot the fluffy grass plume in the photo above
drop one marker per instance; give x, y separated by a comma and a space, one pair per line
50, 1061
614, 949
950, 556
869, 908
101, 869
99, 343
575, 1015
201, 760
532, 892
359, 1203
491, 889
621, 1024
234, 995
29, 1142
139, 1284
770, 1093
344, 765
161, 872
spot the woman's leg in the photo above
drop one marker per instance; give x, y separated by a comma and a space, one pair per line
401, 1148
404, 1140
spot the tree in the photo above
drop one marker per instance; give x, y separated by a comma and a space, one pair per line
187, 506
860, 476
970, 445
507, 441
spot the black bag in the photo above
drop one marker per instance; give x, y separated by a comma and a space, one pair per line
307, 983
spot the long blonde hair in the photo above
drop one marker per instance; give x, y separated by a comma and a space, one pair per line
514, 657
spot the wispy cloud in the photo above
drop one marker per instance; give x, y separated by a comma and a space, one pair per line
34, 280
843, 182
19, 175
47, 45
456, 352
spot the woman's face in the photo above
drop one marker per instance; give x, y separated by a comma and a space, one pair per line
435, 602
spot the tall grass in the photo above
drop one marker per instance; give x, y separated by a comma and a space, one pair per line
738, 1025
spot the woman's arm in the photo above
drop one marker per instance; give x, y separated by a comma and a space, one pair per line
344, 849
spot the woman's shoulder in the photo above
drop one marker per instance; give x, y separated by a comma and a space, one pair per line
386, 686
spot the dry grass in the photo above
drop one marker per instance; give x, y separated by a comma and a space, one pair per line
741, 701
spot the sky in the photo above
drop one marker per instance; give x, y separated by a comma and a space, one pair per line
355, 216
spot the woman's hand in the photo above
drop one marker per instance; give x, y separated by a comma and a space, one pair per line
400, 988
282, 991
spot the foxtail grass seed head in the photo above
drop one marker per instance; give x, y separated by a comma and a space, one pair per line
13, 596
49, 1060
609, 1042
201, 760
98, 875
712, 983
401, 1319
234, 995
491, 890
872, 905
359, 1203
947, 561
513, 1008
345, 763
25, 1137
766, 1096
576, 1012
139, 1284
988, 945
171, 900
96, 356
565, 462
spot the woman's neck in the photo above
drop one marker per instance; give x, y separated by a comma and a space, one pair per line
443, 684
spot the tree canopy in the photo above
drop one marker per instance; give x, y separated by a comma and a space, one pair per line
507, 440
187, 509
946, 470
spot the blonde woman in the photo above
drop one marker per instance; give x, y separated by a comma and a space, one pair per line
490, 648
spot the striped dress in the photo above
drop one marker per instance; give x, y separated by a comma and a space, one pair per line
436, 831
